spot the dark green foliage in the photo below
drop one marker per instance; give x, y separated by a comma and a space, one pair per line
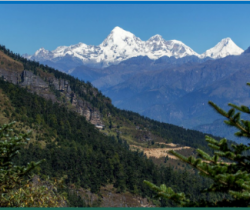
11, 174
74, 199
231, 177
89, 158
166, 159
84, 90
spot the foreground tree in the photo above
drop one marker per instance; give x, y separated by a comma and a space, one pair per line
229, 167
14, 191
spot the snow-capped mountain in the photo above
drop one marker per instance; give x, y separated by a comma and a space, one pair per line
121, 45
43, 54
157, 47
224, 48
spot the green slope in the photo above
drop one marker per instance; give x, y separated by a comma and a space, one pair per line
90, 158
124, 123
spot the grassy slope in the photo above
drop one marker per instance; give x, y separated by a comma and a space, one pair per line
9, 64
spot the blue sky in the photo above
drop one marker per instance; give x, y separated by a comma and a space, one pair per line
24, 28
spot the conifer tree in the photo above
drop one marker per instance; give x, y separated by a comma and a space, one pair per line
14, 190
229, 167
10, 174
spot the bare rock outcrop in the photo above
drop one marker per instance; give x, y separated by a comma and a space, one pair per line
35, 83
60, 84
84, 108
10, 76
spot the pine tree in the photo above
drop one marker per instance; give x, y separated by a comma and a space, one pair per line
14, 191
229, 167
10, 174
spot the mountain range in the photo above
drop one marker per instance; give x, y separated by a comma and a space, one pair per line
121, 45
163, 80
179, 94
175, 90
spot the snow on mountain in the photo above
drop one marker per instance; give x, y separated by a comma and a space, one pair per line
121, 45
40, 54
224, 48
157, 47
43, 54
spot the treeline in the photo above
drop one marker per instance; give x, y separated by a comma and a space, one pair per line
89, 158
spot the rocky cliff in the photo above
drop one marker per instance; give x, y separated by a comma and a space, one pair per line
48, 87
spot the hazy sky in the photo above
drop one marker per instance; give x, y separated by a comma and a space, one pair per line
24, 28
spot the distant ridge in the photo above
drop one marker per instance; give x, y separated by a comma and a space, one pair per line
247, 50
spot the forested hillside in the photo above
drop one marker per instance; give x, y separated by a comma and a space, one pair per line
72, 146
114, 119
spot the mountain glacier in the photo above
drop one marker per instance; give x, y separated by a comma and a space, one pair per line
121, 45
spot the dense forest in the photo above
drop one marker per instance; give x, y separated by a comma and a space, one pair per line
74, 147
85, 90
89, 158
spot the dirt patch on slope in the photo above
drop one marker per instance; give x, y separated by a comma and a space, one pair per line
159, 152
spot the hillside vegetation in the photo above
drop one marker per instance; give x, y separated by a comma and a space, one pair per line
90, 158
116, 120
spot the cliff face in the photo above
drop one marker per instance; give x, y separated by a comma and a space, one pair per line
10, 76
84, 108
60, 84
36, 84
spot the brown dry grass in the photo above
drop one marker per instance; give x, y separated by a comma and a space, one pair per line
163, 152
10, 64
169, 144
159, 152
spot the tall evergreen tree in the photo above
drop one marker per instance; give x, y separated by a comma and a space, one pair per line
229, 167
14, 192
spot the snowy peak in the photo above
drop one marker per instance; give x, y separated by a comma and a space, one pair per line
119, 32
155, 38
156, 43
41, 51
121, 45
226, 41
118, 37
41, 54
159, 47
179, 49
224, 48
